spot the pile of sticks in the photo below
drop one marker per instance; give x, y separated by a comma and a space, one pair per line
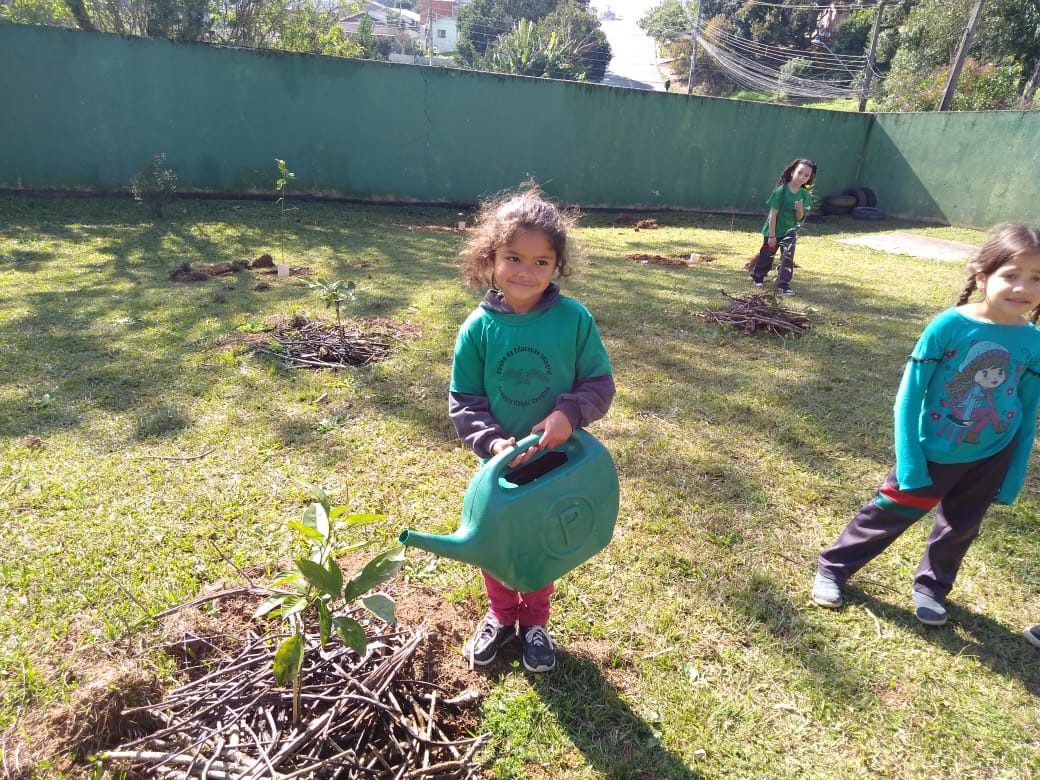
758, 313
323, 345
359, 718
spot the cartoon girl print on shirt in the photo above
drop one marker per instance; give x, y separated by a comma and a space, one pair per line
985, 368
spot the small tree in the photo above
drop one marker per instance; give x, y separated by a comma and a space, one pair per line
281, 184
154, 184
308, 596
334, 293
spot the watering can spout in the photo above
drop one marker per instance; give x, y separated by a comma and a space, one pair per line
457, 546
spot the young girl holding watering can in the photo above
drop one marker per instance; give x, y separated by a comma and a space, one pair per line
527, 360
788, 206
965, 420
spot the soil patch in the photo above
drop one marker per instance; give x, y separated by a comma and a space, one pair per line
623, 220
264, 264
305, 342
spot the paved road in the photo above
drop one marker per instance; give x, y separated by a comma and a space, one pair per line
634, 63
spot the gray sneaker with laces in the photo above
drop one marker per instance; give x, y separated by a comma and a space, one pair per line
539, 651
483, 646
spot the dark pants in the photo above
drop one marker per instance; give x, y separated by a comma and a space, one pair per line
960, 492
764, 261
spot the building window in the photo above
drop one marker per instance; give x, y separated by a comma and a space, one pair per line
442, 33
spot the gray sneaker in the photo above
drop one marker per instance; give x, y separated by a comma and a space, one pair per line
1032, 635
928, 610
539, 651
826, 592
484, 645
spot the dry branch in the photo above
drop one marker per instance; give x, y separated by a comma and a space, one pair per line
359, 719
758, 313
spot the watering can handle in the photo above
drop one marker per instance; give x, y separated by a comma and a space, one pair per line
503, 458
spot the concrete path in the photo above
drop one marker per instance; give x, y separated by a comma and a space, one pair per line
900, 243
634, 60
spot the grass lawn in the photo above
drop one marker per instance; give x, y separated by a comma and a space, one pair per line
144, 456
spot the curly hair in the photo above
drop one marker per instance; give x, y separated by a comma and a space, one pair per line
1008, 241
498, 220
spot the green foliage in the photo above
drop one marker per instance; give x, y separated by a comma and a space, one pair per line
154, 184
333, 293
979, 88
364, 38
53, 13
527, 50
566, 44
853, 34
482, 22
667, 21
793, 71
590, 52
310, 595
290, 25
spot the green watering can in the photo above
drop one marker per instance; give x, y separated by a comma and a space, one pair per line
527, 526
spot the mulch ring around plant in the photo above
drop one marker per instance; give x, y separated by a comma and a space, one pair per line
305, 342
264, 264
672, 261
758, 313
407, 708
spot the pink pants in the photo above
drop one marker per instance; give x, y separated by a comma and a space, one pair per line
507, 606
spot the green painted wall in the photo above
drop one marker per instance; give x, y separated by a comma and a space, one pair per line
965, 168
86, 111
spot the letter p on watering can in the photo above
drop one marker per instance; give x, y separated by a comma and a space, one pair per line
530, 525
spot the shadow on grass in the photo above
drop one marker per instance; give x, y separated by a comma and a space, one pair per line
614, 740
995, 646
999, 648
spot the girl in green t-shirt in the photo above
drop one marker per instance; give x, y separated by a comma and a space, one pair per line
526, 360
788, 206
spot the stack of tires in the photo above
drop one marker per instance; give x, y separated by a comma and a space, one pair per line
860, 202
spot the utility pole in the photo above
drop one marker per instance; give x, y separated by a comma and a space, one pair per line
868, 73
693, 51
955, 72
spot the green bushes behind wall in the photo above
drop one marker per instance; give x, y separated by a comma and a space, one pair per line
85, 111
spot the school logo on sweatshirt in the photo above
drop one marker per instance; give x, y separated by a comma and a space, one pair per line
524, 375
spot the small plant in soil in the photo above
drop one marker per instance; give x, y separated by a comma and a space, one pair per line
154, 184
334, 293
308, 595
281, 185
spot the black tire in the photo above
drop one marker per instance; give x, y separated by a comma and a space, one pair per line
840, 201
827, 208
858, 194
871, 197
868, 212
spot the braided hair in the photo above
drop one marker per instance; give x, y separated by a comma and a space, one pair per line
1007, 241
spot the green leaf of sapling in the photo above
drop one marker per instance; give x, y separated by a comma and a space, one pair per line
288, 660
380, 569
352, 634
318, 493
307, 530
270, 604
359, 519
380, 605
327, 580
